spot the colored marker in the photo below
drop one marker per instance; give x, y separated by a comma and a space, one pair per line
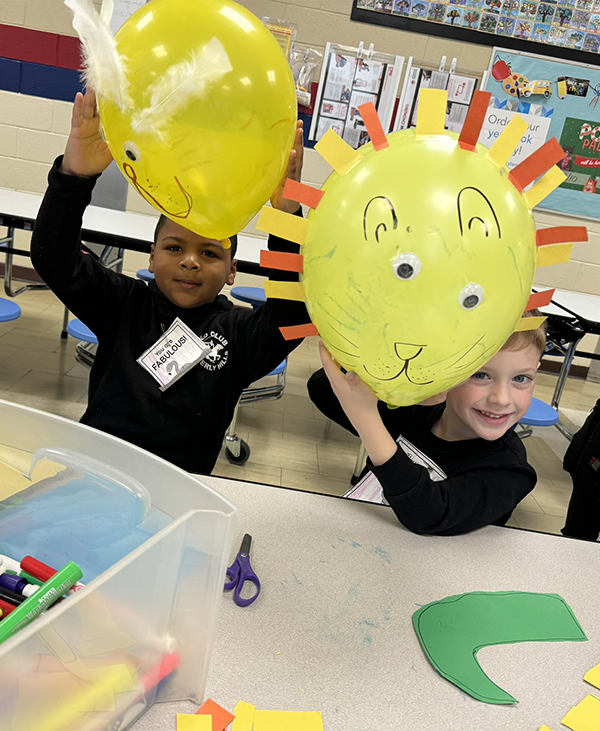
43, 572
11, 597
8, 564
6, 607
17, 584
46, 595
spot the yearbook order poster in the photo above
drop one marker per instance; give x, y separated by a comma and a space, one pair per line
565, 97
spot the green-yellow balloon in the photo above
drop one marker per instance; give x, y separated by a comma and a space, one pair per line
418, 265
211, 163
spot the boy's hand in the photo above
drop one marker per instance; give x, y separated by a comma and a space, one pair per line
86, 153
294, 171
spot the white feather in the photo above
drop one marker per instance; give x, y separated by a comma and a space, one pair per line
106, 11
104, 70
182, 83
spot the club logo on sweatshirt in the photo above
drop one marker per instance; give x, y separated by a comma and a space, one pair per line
218, 355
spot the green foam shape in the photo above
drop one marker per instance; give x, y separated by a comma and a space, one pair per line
454, 629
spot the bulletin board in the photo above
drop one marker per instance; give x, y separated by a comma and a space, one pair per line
567, 29
565, 98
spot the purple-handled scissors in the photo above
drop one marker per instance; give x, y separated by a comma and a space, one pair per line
240, 572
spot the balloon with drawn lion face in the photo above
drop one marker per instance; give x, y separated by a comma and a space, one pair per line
418, 263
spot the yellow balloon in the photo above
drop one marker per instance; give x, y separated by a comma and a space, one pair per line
208, 120
418, 264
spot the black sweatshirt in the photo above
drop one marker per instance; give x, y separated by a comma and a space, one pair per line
485, 479
186, 423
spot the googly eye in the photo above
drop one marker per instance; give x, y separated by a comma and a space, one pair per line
471, 296
132, 151
407, 266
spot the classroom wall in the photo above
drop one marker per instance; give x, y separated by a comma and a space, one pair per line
33, 129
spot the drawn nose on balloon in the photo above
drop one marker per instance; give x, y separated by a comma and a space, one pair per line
408, 351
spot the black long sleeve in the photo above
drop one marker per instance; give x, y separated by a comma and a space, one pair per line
485, 479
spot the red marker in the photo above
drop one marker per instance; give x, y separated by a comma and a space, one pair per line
6, 608
43, 572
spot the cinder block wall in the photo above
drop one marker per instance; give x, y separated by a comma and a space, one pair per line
33, 129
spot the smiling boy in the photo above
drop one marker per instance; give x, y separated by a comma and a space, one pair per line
448, 468
183, 415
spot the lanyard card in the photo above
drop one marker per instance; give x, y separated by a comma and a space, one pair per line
176, 352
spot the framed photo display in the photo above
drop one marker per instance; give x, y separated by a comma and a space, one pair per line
566, 29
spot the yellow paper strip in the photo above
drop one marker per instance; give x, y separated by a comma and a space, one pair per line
501, 151
288, 720
555, 254
285, 225
284, 290
544, 186
431, 112
593, 676
585, 716
337, 153
194, 722
529, 323
244, 717
545, 728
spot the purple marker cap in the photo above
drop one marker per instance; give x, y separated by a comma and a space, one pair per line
12, 582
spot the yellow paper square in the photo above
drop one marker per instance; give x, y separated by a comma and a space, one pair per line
585, 716
593, 676
244, 717
545, 728
431, 112
501, 151
554, 254
337, 153
288, 721
194, 722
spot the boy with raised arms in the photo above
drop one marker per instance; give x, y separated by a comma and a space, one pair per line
184, 423
467, 468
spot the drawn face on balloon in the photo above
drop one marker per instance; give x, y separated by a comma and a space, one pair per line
418, 262
205, 117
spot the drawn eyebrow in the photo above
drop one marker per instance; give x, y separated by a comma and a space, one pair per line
486, 199
393, 212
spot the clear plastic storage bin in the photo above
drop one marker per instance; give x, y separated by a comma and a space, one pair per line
153, 543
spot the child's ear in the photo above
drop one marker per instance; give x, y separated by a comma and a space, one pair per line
151, 262
232, 272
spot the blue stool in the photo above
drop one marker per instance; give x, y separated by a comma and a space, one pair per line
84, 352
9, 310
539, 414
254, 296
145, 275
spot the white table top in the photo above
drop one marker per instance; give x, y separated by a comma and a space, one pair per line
121, 224
332, 629
584, 305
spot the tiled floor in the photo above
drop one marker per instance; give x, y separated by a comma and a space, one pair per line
292, 444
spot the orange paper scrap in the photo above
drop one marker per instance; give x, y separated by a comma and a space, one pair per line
284, 290
193, 722
536, 164
295, 332
560, 235
220, 716
540, 299
474, 120
288, 720
244, 717
585, 716
281, 260
373, 124
305, 194
337, 153
285, 225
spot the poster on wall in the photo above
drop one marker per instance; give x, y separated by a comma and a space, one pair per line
567, 29
557, 99
350, 78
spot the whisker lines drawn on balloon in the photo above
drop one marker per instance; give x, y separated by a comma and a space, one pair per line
475, 344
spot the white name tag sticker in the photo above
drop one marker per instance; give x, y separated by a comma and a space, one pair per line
176, 352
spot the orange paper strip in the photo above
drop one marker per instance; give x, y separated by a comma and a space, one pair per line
295, 332
560, 235
305, 194
220, 717
474, 121
536, 164
281, 260
373, 125
540, 299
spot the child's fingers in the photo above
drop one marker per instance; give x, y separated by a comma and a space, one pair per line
89, 104
77, 113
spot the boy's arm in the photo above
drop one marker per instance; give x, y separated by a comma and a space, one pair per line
484, 494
